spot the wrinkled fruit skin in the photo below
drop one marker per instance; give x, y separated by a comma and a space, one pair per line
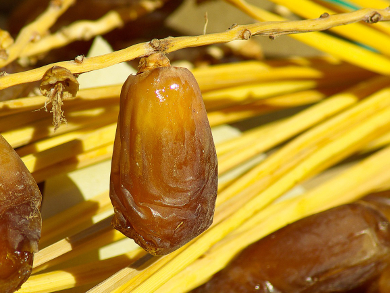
164, 168
333, 251
20, 219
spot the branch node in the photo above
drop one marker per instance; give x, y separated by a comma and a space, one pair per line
155, 44
205, 23
79, 59
324, 15
374, 18
160, 45
246, 34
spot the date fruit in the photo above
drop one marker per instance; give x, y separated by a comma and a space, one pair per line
333, 251
164, 177
20, 219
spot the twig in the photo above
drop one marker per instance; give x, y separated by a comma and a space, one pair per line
74, 219
344, 50
36, 29
241, 112
80, 275
42, 128
85, 30
97, 235
84, 143
241, 32
339, 190
205, 23
33, 103
294, 152
334, 151
249, 93
357, 32
326, 151
302, 121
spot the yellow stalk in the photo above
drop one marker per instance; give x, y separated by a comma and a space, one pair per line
35, 29
94, 139
324, 157
299, 122
11, 122
79, 275
351, 140
241, 112
74, 163
74, 219
23, 104
372, 3
76, 120
283, 160
248, 93
50, 142
71, 107
339, 190
233, 74
357, 32
246, 138
95, 236
119, 280
344, 50
129, 278
35, 103
382, 141
85, 30
382, 26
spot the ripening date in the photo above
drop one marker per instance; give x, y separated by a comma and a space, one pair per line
20, 219
338, 250
164, 168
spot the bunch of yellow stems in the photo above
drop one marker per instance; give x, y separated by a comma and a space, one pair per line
327, 109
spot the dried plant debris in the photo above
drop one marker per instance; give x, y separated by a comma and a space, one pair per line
58, 84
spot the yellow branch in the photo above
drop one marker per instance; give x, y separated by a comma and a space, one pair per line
357, 32
36, 29
342, 49
242, 32
334, 151
85, 30
339, 190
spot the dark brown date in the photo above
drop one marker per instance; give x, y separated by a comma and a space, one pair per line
164, 167
20, 219
333, 251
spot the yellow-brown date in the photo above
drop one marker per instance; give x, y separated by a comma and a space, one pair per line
164, 168
339, 250
20, 219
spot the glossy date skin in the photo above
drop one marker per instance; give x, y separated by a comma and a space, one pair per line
164, 169
20, 219
334, 251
